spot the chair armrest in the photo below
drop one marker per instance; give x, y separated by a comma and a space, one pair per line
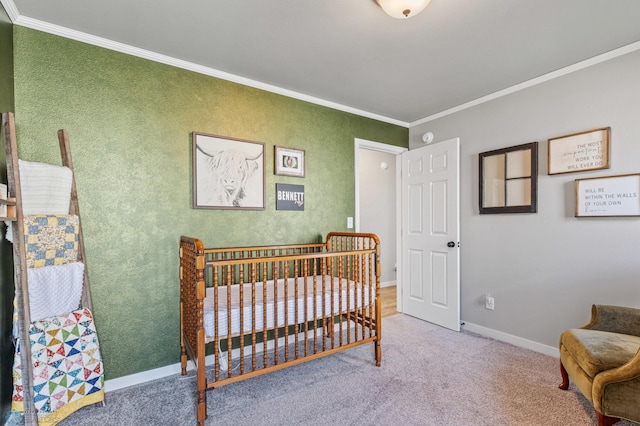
615, 319
616, 392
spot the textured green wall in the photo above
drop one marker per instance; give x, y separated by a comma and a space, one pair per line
6, 264
6, 62
130, 122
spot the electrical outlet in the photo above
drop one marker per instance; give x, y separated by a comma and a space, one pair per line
489, 302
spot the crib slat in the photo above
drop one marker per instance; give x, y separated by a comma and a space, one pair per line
229, 325
296, 313
264, 324
242, 319
286, 311
324, 332
305, 307
254, 339
275, 314
360, 288
315, 306
340, 297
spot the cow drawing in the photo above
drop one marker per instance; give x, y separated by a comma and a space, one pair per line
224, 182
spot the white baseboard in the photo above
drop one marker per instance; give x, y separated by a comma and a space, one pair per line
514, 340
388, 284
159, 373
143, 377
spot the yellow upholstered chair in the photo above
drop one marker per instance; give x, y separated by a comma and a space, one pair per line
603, 360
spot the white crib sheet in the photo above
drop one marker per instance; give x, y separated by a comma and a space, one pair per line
351, 299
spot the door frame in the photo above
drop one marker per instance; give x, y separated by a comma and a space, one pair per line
396, 150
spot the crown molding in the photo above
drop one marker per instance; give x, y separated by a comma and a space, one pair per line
534, 82
46, 27
36, 24
11, 9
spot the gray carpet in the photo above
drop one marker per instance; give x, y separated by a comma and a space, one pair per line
429, 376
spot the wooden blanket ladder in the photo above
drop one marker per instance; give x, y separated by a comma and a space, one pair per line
15, 215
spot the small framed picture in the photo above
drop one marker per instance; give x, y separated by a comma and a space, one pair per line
289, 162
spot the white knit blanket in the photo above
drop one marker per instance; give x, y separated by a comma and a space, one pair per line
55, 290
46, 189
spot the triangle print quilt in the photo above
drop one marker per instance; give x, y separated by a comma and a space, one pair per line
67, 366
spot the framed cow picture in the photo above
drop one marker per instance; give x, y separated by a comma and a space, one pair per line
228, 173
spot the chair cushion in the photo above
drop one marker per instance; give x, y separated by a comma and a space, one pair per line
596, 351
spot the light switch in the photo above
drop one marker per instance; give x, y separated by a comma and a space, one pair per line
349, 223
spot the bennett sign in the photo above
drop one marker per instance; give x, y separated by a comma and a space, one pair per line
289, 197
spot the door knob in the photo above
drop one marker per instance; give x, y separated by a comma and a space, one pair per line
451, 244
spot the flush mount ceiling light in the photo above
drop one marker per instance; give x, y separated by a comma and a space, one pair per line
403, 9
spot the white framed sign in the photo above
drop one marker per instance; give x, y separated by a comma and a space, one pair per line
579, 152
608, 196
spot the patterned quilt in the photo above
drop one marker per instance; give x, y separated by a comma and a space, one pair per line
50, 239
68, 369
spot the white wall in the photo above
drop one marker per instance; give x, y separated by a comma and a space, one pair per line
546, 269
377, 198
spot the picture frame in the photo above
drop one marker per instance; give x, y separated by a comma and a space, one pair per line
228, 173
509, 180
289, 197
579, 152
608, 196
289, 162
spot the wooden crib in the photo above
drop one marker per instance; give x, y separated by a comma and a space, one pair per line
252, 310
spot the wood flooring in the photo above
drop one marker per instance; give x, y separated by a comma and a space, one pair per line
388, 297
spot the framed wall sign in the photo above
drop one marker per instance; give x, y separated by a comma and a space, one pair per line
227, 173
289, 197
579, 152
289, 162
509, 180
608, 196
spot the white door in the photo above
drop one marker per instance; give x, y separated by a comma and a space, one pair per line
430, 233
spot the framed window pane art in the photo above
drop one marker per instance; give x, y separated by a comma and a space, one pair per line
508, 179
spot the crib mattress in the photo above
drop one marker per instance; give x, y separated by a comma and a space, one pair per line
340, 295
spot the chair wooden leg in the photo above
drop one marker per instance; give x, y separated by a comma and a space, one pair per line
605, 420
565, 378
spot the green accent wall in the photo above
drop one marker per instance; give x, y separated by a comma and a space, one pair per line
6, 257
130, 122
